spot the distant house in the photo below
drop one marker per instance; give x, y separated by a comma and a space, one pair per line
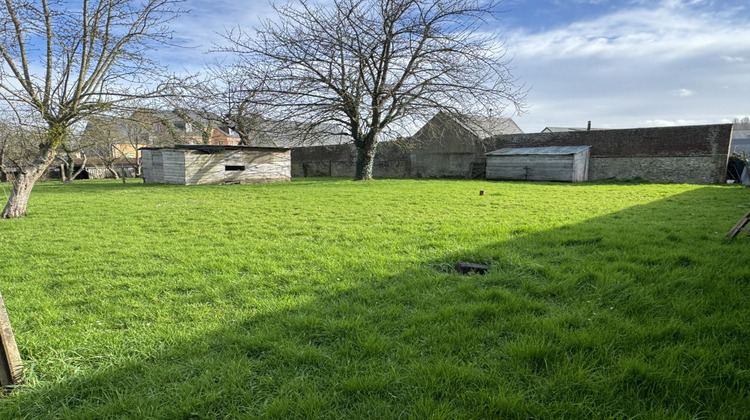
126, 150
220, 136
453, 146
152, 127
186, 127
291, 134
215, 164
116, 139
447, 146
459, 131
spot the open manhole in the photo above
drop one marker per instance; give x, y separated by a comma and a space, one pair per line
471, 268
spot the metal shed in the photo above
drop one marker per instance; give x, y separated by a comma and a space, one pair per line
210, 164
555, 163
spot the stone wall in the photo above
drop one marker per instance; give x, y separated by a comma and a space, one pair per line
339, 161
665, 170
685, 154
682, 141
440, 165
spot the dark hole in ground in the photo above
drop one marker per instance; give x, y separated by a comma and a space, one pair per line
469, 268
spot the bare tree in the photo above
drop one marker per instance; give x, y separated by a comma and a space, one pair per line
377, 68
116, 138
105, 137
741, 123
17, 144
68, 170
226, 98
59, 66
75, 147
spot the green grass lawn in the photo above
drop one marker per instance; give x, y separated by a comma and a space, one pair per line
329, 298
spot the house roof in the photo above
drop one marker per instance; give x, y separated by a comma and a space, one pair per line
484, 127
179, 118
292, 134
549, 150
566, 129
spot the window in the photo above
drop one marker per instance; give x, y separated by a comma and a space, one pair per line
234, 167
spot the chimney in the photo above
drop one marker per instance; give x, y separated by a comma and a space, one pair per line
589, 127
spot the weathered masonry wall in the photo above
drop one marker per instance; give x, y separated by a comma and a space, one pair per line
216, 165
686, 154
440, 165
674, 170
340, 161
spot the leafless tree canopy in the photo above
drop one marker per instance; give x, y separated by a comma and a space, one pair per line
60, 64
742, 123
17, 146
66, 64
226, 97
377, 67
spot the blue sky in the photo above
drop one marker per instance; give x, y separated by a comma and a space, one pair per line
619, 64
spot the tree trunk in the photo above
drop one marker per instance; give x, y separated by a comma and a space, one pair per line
70, 167
3, 172
138, 164
365, 157
24, 182
363, 169
113, 171
81, 169
19, 196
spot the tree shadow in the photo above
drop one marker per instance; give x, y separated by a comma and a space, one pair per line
626, 314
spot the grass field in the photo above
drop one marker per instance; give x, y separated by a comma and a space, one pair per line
333, 299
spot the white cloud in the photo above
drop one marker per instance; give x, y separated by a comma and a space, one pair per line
644, 63
673, 123
683, 92
661, 34
631, 67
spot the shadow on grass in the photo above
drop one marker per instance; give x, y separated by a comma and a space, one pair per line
642, 312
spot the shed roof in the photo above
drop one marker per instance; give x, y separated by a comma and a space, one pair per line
550, 150
210, 148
